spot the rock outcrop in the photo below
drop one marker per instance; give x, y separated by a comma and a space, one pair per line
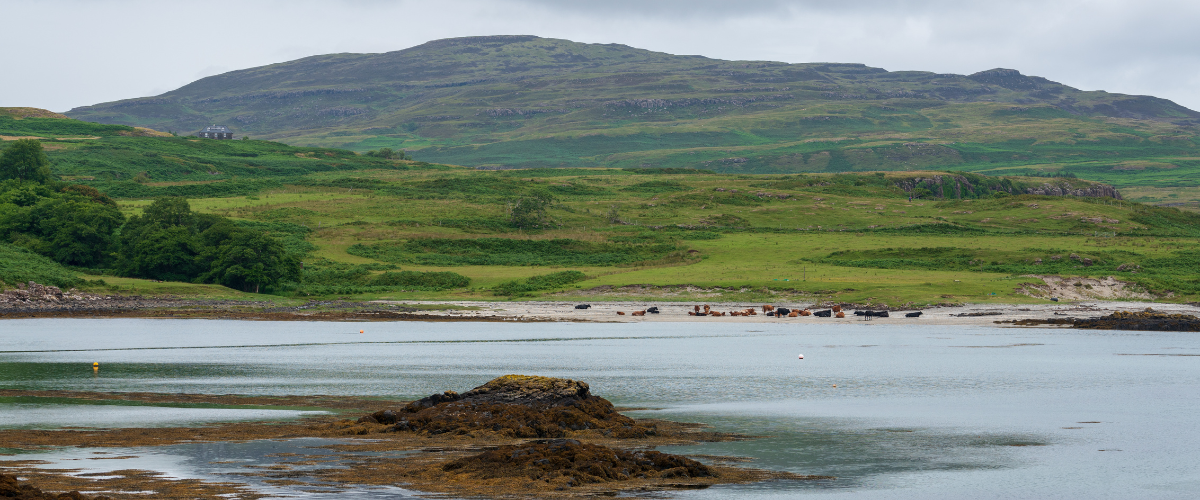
513, 406
1147, 320
1064, 189
572, 463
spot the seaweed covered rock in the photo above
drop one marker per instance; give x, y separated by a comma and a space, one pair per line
11, 487
572, 463
513, 406
1142, 320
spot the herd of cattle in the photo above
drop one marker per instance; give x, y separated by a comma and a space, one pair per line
769, 310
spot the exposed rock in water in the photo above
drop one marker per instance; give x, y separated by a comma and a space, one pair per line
1144, 320
513, 406
11, 487
571, 463
1147, 320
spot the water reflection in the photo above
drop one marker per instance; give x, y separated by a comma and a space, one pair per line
243, 462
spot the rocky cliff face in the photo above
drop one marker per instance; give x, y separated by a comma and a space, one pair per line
1093, 191
956, 186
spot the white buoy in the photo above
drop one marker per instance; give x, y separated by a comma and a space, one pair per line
801, 356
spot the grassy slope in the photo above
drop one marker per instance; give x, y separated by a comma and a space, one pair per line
760, 241
533, 102
772, 244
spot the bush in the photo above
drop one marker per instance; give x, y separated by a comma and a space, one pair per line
537, 283
510, 252
413, 280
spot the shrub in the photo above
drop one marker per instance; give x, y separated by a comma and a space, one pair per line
537, 283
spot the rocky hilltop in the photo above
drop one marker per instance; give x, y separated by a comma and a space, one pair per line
529, 101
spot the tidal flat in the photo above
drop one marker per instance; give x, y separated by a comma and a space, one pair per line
890, 410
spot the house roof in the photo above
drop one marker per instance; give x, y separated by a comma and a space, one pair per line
221, 129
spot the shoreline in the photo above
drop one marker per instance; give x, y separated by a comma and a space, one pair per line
562, 311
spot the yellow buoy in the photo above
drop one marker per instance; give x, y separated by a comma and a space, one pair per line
95, 367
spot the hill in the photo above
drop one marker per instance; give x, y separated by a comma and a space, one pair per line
523, 101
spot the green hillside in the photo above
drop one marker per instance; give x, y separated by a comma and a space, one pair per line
523, 101
368, 227
128, 162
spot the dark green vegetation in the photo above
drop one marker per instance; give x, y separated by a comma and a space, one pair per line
171, 242
551, 281
511, 252
24, 160
523, 101
78, 226
325, 277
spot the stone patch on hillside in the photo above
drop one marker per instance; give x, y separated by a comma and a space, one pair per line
1072, 289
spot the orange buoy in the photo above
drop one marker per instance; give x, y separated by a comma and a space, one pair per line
361, 331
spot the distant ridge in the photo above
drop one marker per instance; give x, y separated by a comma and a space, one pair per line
20, 113
519, 100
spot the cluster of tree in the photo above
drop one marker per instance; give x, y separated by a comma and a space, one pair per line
171, 242
389, 154
79, 226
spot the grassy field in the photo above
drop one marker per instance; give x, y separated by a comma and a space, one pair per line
896, 237
736, 237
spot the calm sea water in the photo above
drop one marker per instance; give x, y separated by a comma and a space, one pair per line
893, 409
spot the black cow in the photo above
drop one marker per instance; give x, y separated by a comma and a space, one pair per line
782, 311
877, 314
913, 314
828, 313
652, 310
583, 306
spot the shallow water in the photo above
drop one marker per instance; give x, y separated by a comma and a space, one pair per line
916, 412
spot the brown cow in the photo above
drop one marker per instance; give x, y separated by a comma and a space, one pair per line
806, 312
619, 313
767, 308
793, 314
837, 309
696, 308
841, 314
706, 308
691, 313
639, 313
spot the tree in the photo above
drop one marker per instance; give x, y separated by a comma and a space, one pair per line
166, 253
529, 211
389, 154
169, 211
247, 260
25, 160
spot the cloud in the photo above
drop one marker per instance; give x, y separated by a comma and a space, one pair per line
103, 50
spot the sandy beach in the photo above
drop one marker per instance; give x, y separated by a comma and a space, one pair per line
971, 314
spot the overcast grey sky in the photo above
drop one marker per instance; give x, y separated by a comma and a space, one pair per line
59, 54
